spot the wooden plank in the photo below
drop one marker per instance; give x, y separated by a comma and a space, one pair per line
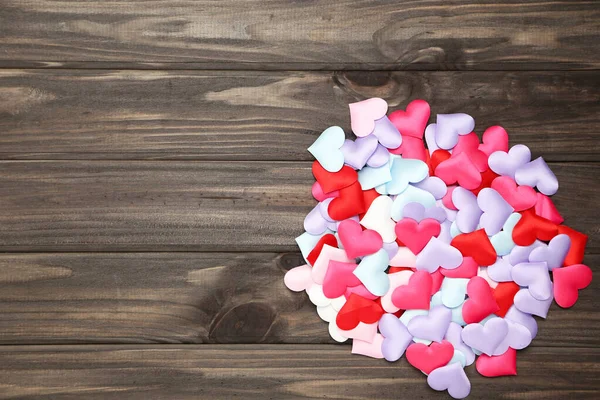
319, 34
273, 372
193, 206
194, 298
55, 114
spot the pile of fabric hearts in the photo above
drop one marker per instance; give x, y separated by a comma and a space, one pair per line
440, 253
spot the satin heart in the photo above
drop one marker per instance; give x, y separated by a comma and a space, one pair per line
531, 227
454, 291
379, 157
357, 242
480, 303
487, 337
404, 171
397, 279
467, 269
416, 294
356, 153
412, 148
348, 204
523, 319
507, 163
521, 254
487, 177
432, 326
544, 207
326, 149
358, 309
433, 185
299, 278
504, 294
502, 241
396, 337
415, 235
496, 211
578, 242
327, 254
534, 276
553, 254
418, 212
519, 197
518, 337
451, 377
430, 139
453, 335
387, 134
469, 212
477, 245
365, 348
536, 173
494, 139
461, 170
363, 115
371, 272
363, 331
412, 194
378, 218
307, 244
500, 271
314, 223
502, 365
338, 278
526, 303
412, 122
319, 195
469, 144
450, 126
568, 281
370, 178
438, 254
437, 157
428, 358
404, 258
332, 181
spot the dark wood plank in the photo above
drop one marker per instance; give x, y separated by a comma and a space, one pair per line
194, 298
271, 372
507, 34
193, 206
54, 114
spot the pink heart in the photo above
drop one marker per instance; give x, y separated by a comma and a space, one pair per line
415, 235
494, 139
319, 195
360, 290
411, 147
357, 242
412, 122
461, 170
544, 207
519, 197
470, 144
299, 278
364, 114
338, 278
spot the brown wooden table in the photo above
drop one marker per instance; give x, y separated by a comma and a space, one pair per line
154, 175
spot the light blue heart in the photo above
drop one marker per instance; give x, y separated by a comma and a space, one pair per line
307, 242
371, 272
370, 177
502, 241
405, 171
410, 314
457, 317
411, 194
326, 148
454, 231
424, 341
458, 357
454, 291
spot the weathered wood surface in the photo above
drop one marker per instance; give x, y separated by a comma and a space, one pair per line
194, 298
271, 372
55, 114
505, 34
193, 206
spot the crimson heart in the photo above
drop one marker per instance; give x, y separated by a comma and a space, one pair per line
568, 281
480, 303
427, 358
504, 295
487, 178
578, 242
358, 309
348, 204
332, 181
531, 226
477, 245
415, 235
502, 365
416, 295
436, 158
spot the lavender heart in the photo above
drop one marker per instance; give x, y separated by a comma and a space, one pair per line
521, 254
418, 212
430, 138
387, 134
453, 335
314, 223
518, 337
438, 254
379, 158
521, 318
526, 303
356, 153
396, 337
391, 249
451, 377
450, 126
469, 213
500, 271
432, 326
433, 185
507, 164
495, 210
485, 338
534, 276
554, 253
537, 173
445, 236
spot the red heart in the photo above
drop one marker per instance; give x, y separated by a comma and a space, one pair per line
544, 207
487, 177
332, 181
477, 245
469, 144
411, 147
519, 197
316, 251
461, 170
413, 121
358, 309
502, 365
495, 138
436, 158
578, 242
416, 295
467, 269
427, 358
531, 227
349, 204
504, 295
338, 278
568, 281
480, 303
415, 235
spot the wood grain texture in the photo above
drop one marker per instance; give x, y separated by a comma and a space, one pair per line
194, 298
506, 34
193, 206
271, 372
274, 115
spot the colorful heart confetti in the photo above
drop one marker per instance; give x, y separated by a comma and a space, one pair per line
442, 253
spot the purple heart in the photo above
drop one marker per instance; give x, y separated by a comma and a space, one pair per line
521, 318
449, 126
379, 158
554, 253
518, 338
396, 337
432, 326
500, 270
418, 212
495, 210
526, 303
387, 133
356, 153
391, 248
437, 254
469, 213
445, 235
485, 338
324, 209
450, 214
314, 223
451, 377
507, 164
430, 138
535, 276
521, 254
537, 173
433, 185
453, 335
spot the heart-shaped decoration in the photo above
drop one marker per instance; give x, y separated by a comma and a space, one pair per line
507, 163
450, 126
451, 378
568, 281
412, 122
332, 181
396, 337
459, 169
416, 294
326, 148
519, 197
502, 365
358, 309
476, 245
415, 235
429, 358
411, 147
339, 277
371, 272
387, 134
537, 173
357, 153
494, 139
363, 115
357, 242
480, 303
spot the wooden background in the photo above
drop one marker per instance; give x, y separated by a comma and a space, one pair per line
154, 175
